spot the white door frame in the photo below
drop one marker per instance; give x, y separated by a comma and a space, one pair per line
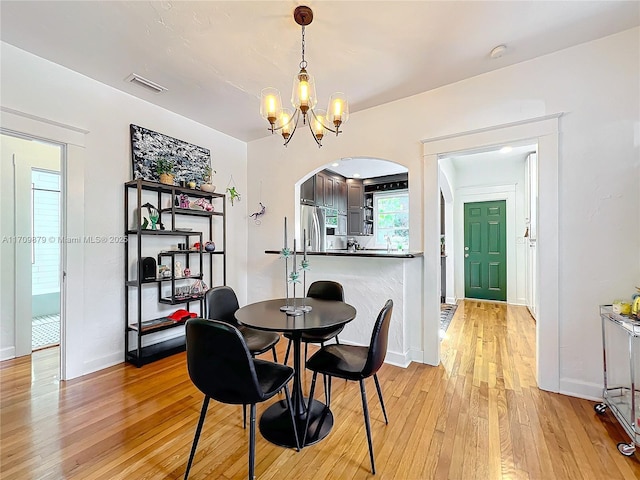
544, 131
23, 164
14, 122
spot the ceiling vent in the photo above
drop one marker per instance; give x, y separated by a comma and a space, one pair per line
143, 82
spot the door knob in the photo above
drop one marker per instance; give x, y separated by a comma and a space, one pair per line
466, 249
466, 255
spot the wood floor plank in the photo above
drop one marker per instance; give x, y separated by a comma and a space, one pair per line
478, 415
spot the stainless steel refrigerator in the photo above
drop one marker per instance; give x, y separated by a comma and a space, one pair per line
312, 219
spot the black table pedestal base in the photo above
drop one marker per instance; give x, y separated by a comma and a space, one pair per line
275, 424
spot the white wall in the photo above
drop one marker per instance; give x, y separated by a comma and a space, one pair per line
595, 85
41, 89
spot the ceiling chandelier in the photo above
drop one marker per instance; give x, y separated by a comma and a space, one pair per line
303, 99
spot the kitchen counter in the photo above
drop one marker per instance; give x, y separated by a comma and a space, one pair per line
358, 253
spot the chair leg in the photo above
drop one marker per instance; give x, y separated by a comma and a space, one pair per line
337, 341
365, 409
244, 416
306, 346
203, 414
306, 423
252, 441
293, 420
384, 412
275, 355
286, 355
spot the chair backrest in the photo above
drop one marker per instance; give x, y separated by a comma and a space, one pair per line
379, 340
221, 304
219, 362
326, 290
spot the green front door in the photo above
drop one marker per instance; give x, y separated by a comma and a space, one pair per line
485, 250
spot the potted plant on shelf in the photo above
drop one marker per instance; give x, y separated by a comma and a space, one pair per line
164, 169
207, 186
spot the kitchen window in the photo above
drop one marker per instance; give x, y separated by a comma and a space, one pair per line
391, 219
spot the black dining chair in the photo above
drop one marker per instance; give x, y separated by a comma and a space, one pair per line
221, 303
324, 290
221, 366
352, 362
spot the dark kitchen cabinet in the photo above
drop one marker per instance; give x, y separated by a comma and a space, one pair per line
329, 192
324, 190
308, 192
319, 189
355, 193
356, 222
340, 196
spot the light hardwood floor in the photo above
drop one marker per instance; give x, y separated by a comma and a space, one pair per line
479, 415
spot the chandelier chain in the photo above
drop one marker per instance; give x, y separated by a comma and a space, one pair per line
303, 63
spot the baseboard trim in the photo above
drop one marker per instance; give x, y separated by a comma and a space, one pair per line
581, 389
7, 353
103, 362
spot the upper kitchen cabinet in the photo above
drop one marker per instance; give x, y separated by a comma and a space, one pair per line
325, 190
308, 192
355, 208
355, 193
340, 196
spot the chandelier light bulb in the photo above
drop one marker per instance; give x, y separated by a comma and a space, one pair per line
270, 105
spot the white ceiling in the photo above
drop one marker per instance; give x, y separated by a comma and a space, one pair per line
360, 167
215, 57
492, 157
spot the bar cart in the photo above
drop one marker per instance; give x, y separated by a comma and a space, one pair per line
621, 392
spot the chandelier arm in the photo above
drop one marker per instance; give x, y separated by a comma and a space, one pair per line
322, 123
296, 115
313, 134
275, 129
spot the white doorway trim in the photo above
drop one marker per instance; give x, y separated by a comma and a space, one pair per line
544, 131
25, 125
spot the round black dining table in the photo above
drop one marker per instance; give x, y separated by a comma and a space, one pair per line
275, 423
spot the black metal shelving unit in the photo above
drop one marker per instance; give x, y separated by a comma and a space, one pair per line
137, 325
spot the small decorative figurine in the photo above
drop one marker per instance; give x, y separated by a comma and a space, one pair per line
178, 270
231, 190
233, 194
184, 200
210, 247
187, 272
154, 215
204, 204
259, 213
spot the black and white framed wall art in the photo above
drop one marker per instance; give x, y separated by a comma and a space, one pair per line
147, 147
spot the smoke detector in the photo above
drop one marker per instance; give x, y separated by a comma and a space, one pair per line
498, 51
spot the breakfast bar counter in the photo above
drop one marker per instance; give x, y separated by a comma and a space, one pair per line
359, 253
369, 278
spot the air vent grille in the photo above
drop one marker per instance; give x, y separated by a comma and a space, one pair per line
143, 82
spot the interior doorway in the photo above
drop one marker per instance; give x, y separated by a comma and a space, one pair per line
542, 131
32, 248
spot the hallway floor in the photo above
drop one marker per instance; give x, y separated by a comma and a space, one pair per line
45, 331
